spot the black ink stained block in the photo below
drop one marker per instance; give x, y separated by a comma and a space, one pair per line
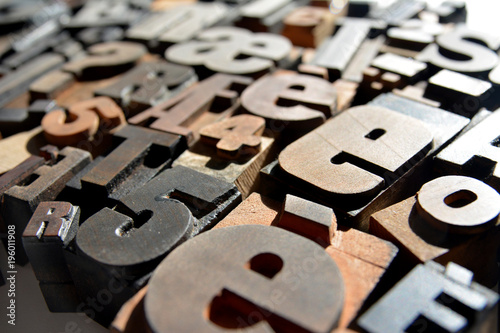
125, 244
432, 298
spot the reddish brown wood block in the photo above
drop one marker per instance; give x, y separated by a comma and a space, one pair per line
308, 26
362, 258
85, 120
452, 218
210, 100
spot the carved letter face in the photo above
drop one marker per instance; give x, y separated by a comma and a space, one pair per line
218, 50
351, 154
253, 277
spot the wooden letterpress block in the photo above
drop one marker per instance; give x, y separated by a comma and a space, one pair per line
460, 93
376, 82
340, 163
390, 71
222, 48
432, 298
336, 52
148, 84
265, 16
346, 92
88, 124
78, 78
138, 155
308, 26
450, 11
19, 173
50, 85
481, 59
252, 275
414, 34
126, 243
291, 101
362, 258
43, 39
233, 150
416, 93
475, 153
367, 51
452, 218
36, 34
95, 35
212, 99
105, 60
409, 69
44, 184
397, 12
15, 176
17, 82
111, 13
51, 229
17, 15
160, 29
346, 88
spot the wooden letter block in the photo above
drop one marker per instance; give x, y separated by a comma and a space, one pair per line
105, 60
414, 34
178, 24
217, 94
236, 136
482, 58
51, 229
410, 69
265, 15
229, 150
17, 82
218, 50
475, 153
452, 218
336, 52
450, 11
129, 241
97, 13
139, 155
79, 78
95, 35
362, 258
362, 59
390, 71
397, 12
253, 276
350, 155
460, 93
50, 85
298, 102
83, 122
19, 173
148, 84
44, 184
357, 180
432, 298
308, 26
416, 93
